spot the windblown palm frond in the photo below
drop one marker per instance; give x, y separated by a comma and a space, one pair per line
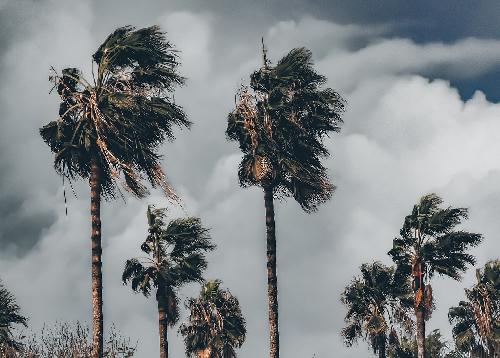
10, 316
476, 322
122, 116
378, 304
429, 243
280, 121
176, 256
215, 327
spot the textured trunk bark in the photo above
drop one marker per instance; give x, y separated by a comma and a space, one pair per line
381, 349
95, 212
272, 278
162, 324
419, 313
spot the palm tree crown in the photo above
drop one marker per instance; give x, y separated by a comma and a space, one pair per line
378, 303
279, 122
429, 243
9, 316
122, 115
476, 321
216, 325
176, 256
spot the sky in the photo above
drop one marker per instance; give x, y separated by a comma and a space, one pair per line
421, 85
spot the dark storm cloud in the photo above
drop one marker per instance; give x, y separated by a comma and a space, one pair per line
384, 158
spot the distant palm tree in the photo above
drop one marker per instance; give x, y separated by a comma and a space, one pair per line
378, 302
476, 322
280, 122
429, 244
215, 326
176, 256
111, 127
10, 315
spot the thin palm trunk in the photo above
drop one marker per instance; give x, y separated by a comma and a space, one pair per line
381, 349
162, 323
95, 212
420, 315
272, 279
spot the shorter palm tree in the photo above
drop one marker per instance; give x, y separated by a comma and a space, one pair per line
476, 322
10, 315
429, 243
215, 326
176, 256
378, 301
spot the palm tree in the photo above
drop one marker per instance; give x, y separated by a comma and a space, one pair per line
176, 256
476, 322
280, 121
215, 326
429, 243
109, 128
378, 302
10, 315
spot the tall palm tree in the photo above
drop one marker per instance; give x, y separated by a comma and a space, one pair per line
215, 326
10, 315
429, 243
176, 256
476, 321
378, 303
280, 121
110, 127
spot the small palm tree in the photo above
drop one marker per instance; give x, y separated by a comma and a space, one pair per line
429, 243
378, 302
10, 315
176, 256
215, 326
110, 127
476, 322
280, 122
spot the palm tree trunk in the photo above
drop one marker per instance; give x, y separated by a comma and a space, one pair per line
381, 348
420, 315
272, 279
162, 323
95, 212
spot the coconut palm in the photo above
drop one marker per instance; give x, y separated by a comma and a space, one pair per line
280, 121
176, 256
429, 243
110, 127
476, 321
10, 315
215, 326
378, 304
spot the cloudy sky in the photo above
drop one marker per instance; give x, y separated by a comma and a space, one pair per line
421, 82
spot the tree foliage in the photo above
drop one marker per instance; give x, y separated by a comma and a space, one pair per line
121, 115
280, 121
215, 325
378, 304
10, 316
429, 243
176, 256
476, 321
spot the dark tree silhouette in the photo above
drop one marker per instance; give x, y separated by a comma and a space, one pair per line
215, 327
10, 316
110, 127
429, 243
176, 256
378, 304
280, 121
476, 321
